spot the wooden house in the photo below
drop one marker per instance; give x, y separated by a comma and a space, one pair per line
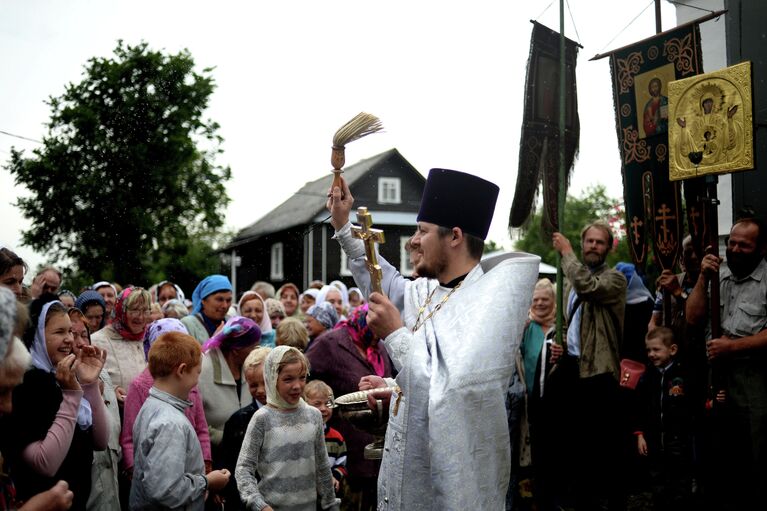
292, 243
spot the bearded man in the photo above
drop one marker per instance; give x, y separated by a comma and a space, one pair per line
451, 334
595, 297
740, 358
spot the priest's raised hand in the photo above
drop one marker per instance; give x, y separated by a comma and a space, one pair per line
339, 204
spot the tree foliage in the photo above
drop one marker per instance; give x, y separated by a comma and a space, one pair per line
125, 184
593, 204
491, 246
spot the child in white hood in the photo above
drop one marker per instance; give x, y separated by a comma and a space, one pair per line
287, 423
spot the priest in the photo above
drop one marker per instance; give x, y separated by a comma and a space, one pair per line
452, 335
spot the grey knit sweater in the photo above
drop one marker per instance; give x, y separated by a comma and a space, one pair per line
287, 449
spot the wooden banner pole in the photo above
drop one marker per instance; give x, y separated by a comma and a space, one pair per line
562, 171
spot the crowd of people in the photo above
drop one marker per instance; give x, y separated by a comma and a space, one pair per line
687, 430
134, 398
93, 382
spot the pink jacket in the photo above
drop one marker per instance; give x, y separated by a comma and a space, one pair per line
137, 394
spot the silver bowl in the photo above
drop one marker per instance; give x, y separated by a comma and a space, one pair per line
355, 409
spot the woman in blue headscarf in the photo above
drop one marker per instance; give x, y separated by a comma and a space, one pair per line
211, 301
94, 308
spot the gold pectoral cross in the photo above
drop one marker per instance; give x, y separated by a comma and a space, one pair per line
370, 237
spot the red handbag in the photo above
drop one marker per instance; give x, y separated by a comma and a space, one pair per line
631, 371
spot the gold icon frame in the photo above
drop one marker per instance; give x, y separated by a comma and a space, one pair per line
719, 134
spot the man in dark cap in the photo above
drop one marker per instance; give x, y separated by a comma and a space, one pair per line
451, 334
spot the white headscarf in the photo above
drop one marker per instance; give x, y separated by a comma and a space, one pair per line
311, 292
104, 283
271, 374
358, 291
266, 324
344, 292
156, 291
322, 297
42, 361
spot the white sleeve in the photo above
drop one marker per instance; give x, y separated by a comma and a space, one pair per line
392, 283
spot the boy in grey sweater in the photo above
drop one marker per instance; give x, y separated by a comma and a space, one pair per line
169, 472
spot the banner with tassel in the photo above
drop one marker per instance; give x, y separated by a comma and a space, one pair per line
641, 73
539, 144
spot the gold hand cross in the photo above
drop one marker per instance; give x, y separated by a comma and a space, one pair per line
370, 237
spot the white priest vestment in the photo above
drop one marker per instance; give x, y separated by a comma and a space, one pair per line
447, 448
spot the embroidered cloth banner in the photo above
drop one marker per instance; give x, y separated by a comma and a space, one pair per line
539, 144
641, 73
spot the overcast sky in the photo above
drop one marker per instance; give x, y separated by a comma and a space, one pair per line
446, 78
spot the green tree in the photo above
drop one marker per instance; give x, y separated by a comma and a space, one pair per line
126, 178
491, 246
593, 204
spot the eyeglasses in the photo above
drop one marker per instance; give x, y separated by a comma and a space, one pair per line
330, 403
136, 313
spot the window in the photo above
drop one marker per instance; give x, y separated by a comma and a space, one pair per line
389, 190
276, 272
405, 268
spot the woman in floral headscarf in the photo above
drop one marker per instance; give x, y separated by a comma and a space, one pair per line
529, 414
222, 380
340, 358
123, 340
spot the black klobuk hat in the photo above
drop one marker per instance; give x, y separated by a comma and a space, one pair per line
456, 199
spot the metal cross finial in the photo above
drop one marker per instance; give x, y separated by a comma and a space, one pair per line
370, 237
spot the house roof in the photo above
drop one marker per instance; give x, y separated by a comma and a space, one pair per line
306, 203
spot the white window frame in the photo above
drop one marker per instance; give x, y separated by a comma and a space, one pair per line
405, 268
276, 266
392, 185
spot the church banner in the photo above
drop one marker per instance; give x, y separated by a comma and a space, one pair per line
641, 74
539, 144
697, 218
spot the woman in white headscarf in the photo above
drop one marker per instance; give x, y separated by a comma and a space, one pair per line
356, 298
307, 299
58, 416
254, 307
335, 297
288, 295
344, 295
14, 362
